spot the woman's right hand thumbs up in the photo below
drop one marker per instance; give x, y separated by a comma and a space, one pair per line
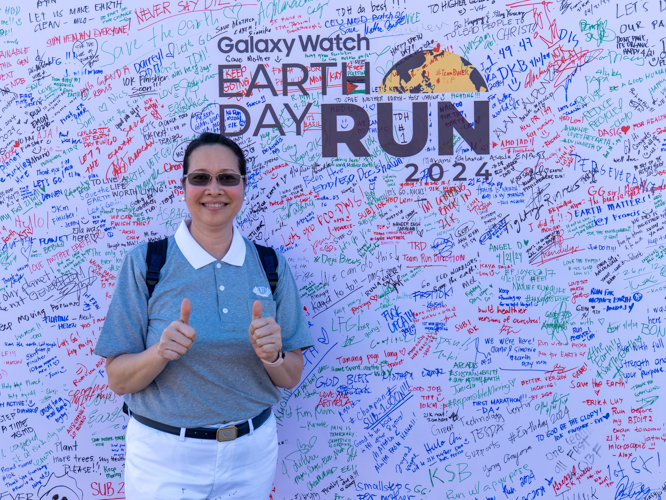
178, 337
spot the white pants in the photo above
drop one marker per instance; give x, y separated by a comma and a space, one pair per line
161, 466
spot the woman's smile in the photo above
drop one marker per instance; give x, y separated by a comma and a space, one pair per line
214, 205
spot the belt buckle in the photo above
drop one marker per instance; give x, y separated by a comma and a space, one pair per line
227, 433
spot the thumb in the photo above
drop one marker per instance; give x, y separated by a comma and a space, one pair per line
185, 311
256, 310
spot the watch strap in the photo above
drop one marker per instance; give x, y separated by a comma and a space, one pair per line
278, 361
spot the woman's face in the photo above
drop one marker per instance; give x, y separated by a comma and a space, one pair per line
213, 207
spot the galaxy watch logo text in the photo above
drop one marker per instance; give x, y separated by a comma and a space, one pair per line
251, 45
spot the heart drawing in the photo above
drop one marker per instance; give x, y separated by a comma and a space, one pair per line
86, 51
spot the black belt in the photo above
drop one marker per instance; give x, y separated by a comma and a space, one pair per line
228, 433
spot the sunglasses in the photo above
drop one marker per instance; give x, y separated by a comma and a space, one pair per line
204, 178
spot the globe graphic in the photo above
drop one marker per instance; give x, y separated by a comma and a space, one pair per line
432, 70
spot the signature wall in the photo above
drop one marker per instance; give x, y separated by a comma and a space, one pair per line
469, 194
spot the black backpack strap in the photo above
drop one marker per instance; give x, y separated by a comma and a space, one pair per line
155, 258
269, 261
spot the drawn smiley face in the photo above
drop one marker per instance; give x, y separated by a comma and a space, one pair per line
60, 493
55, 488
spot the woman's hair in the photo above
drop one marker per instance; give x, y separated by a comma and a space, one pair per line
211, 139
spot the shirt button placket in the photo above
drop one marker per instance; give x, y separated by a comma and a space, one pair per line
221, 287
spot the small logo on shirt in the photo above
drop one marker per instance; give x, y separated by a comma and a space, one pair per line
262, 291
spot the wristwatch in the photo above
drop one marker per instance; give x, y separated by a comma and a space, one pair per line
278, 361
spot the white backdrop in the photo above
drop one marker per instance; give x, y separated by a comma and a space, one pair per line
486, 304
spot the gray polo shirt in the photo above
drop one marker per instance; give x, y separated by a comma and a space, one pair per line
220, 379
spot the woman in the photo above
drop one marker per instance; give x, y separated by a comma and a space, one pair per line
207, 350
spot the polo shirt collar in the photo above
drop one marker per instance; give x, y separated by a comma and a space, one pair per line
198, 257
